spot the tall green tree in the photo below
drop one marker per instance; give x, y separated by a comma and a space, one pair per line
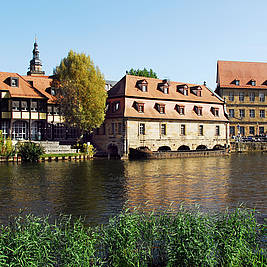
144, 73
81, 93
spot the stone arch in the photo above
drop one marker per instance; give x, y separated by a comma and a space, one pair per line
164, 148
218, 147
143, 148
183, 148
201, 147
113, 151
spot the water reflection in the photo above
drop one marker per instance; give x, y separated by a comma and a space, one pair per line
99, 189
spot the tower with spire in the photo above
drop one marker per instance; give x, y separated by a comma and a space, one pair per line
35, 63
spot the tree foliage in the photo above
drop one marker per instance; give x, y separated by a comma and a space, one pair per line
144, 73
81, 93
6, 148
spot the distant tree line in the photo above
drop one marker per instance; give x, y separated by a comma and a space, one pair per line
144, 73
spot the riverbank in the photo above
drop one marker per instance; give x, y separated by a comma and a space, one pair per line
184, 238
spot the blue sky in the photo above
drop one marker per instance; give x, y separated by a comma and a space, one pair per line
180, 40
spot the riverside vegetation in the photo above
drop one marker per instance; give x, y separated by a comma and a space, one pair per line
184, 238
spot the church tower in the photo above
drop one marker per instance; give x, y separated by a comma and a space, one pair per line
35, 63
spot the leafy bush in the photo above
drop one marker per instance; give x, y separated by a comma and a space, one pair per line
6, 148
29, 151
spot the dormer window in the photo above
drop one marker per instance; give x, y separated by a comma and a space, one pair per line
164, 87
140, 107
183, 89
160, 108
236, 82
198, 110
14, 82
196, 90
180, 109
253, 82
142, 85
215, 111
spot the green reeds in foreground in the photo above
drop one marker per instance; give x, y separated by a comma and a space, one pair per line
184, 238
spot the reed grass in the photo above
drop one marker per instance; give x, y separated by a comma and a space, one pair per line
133, 238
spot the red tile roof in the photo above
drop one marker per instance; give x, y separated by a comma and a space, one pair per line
41, 83
24, 89
128, 93
127, 87
228, 71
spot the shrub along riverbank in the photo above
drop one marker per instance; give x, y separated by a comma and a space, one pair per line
186, 238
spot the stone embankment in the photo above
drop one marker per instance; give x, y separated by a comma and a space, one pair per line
248, 146
135, 154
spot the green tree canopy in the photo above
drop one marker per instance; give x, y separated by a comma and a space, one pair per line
81, 95
144, 73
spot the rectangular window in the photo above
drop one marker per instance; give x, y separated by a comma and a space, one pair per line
251, 96
217, 130
180, 109
241, 96
241, 113
119, 127
262, 113
242, 130
15, 105
198, 110
140, 107
261, 130
231, 96
144, 87
112, 128
231, 113
261, 97
142, 129
161, 109
14, 82
50, 110
24, 105
56, 110
232, 130
34, 106
200, 130
215, 112
5, 128
252, 113
182, 129
252, 130
163, 129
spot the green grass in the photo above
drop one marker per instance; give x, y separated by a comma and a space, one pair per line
62, 155
184, 238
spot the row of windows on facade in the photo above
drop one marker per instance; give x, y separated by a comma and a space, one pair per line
20, 130
164, 88
35, 107
250, 82
242, 113
163, 129
241, 130
252, 96
140, 107
119, 128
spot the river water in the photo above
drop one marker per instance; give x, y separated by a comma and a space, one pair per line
98, 189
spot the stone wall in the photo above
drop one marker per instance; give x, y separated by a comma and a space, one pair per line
153, 139
248, 146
